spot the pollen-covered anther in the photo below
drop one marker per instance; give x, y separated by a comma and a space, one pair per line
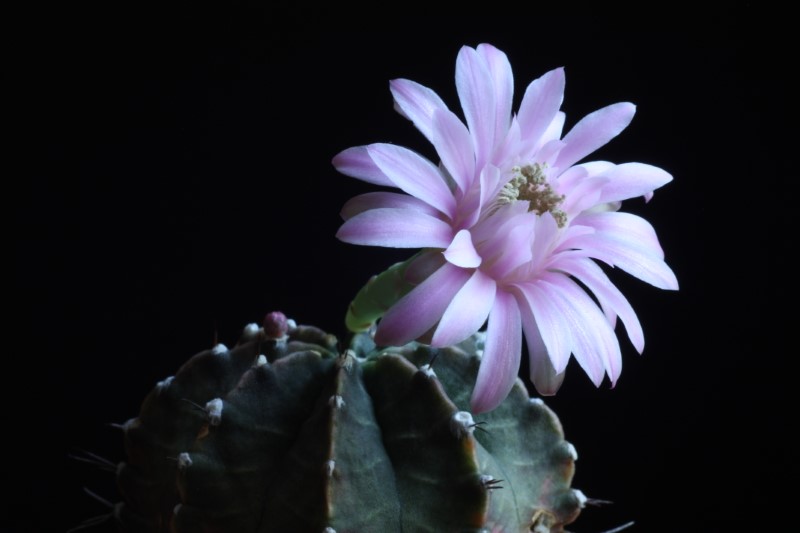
462, 424
214, 411
529, 183
428, 371
336, 401
184, 461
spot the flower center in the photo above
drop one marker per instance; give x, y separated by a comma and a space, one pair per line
529, 183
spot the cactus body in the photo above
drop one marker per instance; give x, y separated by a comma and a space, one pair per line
288, 434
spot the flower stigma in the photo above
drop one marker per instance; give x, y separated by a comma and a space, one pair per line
530, 183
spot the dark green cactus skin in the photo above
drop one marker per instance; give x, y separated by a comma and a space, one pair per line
312, 440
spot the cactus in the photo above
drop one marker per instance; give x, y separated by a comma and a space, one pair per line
286, 433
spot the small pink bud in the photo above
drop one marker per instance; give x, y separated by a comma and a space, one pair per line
275, 325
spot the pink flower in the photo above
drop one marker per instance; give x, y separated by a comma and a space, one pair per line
510, 221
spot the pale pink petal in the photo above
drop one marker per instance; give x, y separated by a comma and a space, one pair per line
417, 103
548, 153
569, 179
357, 163
540, 104
595, 346
542, 373
624, 226
555, 129
515, 246
510, 146
414, 174
375, 200
583, 196
553, 328
453, 144
503, 82
396, 228
545, 239
501, 357
416, 312
461, 251
476, 92
593, 131
630, 180
638, 261
467, 312
591, 275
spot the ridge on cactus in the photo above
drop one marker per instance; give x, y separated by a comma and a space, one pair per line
288, 434
510, 222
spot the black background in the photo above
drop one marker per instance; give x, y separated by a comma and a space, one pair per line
177, 185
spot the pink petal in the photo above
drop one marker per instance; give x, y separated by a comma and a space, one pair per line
593, 131
476, 92
413, 174
624, 226
591, 275
357, 163
416, 312
630, 180
453, 144
637, 260
542, 373
467, 312
555, 129
500, 363
375, 200
539, 106
503, 83
553, 329
514, 246
594, 346
417, 103
396, 228
461, 251
583, 196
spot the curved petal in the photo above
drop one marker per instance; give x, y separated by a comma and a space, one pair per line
376, 200
624, 226
630, 180
593, 131
461, 251
423, 266
476, 92
413, 174
357, 163
595, 346
396, 228
636, 260
553, 329
417, 103
514, 246
539, 106
501, 356
416, 312
503, 82
609, 296
453, 144
467, 312
542, 373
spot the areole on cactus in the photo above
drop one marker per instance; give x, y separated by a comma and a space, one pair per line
289, 434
